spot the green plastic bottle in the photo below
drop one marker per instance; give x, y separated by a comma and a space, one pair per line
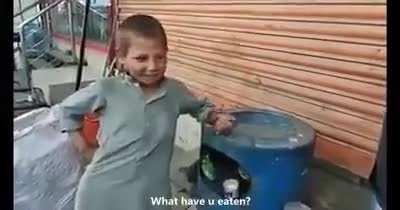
208, 168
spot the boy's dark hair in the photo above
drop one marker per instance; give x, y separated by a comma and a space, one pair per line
142, 25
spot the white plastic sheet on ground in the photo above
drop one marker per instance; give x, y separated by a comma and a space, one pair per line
46, 166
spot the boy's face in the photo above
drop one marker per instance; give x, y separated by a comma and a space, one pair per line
146, 60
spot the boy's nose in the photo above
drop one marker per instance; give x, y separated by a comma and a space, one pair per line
152, 65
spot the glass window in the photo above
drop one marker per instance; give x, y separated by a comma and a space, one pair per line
97, 27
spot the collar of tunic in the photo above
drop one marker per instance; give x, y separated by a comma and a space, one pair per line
161, 92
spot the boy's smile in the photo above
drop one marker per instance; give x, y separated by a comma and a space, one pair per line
146, 60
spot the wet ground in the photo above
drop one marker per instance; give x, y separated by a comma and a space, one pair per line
333, 189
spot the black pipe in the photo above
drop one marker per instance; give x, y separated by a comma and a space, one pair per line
82, 50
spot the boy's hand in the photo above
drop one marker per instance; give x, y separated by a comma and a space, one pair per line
223, 123
80, 144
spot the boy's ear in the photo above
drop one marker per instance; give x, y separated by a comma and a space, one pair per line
121, 60
120, 64
119, 54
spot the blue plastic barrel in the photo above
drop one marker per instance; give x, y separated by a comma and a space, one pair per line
271, 150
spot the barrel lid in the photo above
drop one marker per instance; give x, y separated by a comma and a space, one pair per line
269, 129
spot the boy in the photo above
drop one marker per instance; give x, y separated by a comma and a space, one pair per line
137, 123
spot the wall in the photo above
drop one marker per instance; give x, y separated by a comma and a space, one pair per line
323, 61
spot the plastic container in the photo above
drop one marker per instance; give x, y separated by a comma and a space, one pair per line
268, 152
231, 188
89, 131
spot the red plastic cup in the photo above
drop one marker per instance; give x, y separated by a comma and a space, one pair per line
90, 128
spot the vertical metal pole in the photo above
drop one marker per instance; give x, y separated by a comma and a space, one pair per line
48, 27
20, 9
71, 30
25, 70
82, 48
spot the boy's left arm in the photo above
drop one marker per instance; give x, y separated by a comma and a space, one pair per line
204, 111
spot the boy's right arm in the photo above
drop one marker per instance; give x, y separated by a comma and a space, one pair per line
73, 109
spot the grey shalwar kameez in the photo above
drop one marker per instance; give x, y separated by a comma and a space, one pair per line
136, 141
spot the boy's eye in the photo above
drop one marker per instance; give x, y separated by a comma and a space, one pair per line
141, 58
160, 57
